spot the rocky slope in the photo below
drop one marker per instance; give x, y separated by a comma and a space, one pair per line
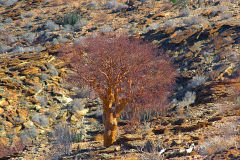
36, 103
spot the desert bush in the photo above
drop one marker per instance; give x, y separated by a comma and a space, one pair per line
8, 20
153, 26
123, 71
238, 86
84, 92
145, 127
4, 48
77, 137
93, 4
139, 115
76, 104
30, 24
27, 134
166, 7
8, 2
196, 81
41, 119
228, 137
7, 151
27, 15
63, 137
215, 144
53, 71
226, 15
121, 7
144, 1
71, 18
99, 113
181, 3
235, 87
79, 24
193, 20
51, 25
111, 4
42, 99
106, 29
22, 49
184, 12
188, 99
152, 150
169, 23
11, 39
29, 37
221, 9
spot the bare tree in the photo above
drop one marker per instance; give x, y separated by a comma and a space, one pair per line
123, 71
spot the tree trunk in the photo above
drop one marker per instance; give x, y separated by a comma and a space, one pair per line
110, 125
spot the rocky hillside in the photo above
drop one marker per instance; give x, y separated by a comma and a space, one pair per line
43, 117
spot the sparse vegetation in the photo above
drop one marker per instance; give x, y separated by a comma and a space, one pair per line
29, 37
77, 137
182, 3
4, 48
53, 70
169, 23
27, 15
6, 151
226, 15
42, 99
193, 20
216, 144
76, 104
51, 25
28, 133
63, 143
8, 20
153, 26
152, 150
72, 19
41, 119
196, 81
188, 99
8, 2
106, 29
111, 4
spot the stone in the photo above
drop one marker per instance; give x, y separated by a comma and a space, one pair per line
2, 131
22, 114
38, 107
1, 111
8, 125
131, 137
30, 71
160, 130
17, 129
3, 102
3, 140
98, 137
83, 112
111, 149
74, 119
137, 144
28, 124
179, 121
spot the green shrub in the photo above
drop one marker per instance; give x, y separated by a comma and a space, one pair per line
77, 137
71, 18
182, 3
174, 1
